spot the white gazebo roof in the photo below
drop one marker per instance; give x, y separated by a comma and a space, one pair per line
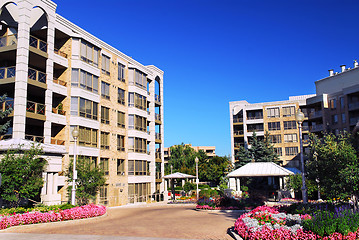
260, 169
178, 175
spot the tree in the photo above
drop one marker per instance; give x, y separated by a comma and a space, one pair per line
333, 162
21, 172
4, 114
90, 178
260, 151
213, 169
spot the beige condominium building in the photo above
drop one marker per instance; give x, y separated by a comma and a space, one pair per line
58, 77
276, 118
209, 150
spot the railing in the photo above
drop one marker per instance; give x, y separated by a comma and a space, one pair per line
315, 114
37, 43
240, 132
255, 130
316, 128
158, 155
38, 139
37, 75
60, 82
7, 72
237, 145
158, 175
255, 117
61, 53
57, 141
57, 110
157, 98
237, 120
7, 104
157, 117
34, 107
8, 40
158, 136
5, 136
354, 105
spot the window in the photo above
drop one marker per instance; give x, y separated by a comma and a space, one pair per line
139, 192
140, 123
344, 119
342, 103
275, 138
288, 111
105, 140
120, 166
273, 112
278, 151
105, 90
131, 144
121, 72
291, 151
273, 126
87, 137
121, 143
140, 101
92, 161
84, 108
140, 80
105, 115
333, 103
138, 167
89, 53
103, 194
121, 119
121, 96
140, 145
290, 137
84, 80
131, 99
335, 119
290, 125
105, 65
104, 165
131, 121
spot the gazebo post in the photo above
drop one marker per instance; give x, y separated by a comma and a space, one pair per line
239, 185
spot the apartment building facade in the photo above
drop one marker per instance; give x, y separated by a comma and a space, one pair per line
58, 77
209, 150
275, 118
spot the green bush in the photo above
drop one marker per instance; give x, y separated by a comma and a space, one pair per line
39, 208
207, 193
188, 186
202, 186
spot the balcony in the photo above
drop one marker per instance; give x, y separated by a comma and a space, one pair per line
353, 106
8, 40
158, 175
238, 145
157, 99
37, 76
158, 155
35, 110
60, 82
158, 118
158, 138
58, 110
238, 133
6, 105
237, 120
6, 136
353, 121
57, 141
316, 128
33, 138
315, 114
7, 73
254, 117
60, 53
38, 44
255, 130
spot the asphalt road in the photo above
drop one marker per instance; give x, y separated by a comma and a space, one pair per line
150, 221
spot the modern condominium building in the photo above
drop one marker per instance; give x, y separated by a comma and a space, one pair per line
58, 77
276, 118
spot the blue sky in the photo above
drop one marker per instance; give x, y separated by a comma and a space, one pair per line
214, 52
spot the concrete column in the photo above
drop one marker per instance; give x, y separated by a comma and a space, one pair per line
54, 183
162, 132
152, 135
22, 59
50, 180
238, 184
43, 189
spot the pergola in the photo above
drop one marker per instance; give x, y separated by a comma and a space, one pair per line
176, 175
258, 169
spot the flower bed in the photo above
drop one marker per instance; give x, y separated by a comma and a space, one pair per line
268, 223
206, 207
86, 211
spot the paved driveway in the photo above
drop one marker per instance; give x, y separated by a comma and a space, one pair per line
132, 222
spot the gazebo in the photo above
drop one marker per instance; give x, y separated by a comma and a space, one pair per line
258, 169
176, 175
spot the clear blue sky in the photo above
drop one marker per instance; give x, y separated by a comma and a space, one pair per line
214, 52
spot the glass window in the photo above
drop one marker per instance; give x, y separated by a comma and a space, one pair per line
288, 111
105, 140
335, 119
84, 108
273, 112
121, 119
290, 137
89, 53
275, 138
342, 104
131, 144
84, 80
121, 72
273, 126
121, 96
333, 103
87, 137
120, 166
278, 151
105, 115
121, 143
105, 65
290, 125
291, 151
131, 121
344, 119
131, 99
105, 90
104, 165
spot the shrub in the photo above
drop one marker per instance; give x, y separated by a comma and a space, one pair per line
207, 193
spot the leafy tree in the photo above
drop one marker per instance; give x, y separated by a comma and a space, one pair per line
90, 178
295, 182
334, 163
260, 151
21, 172
212, 169
4, 114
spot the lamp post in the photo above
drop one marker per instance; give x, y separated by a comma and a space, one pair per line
75, 134
299, 117
171, 168
197, 180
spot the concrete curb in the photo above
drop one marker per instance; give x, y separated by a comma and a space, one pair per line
27, 226
231, 232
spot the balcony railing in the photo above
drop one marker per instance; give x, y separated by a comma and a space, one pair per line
8, 104
61, 53
354, 105
58, 110
158, 175
5, 136
38, 139
316, 114
8, 40
254, 117
57, 141
34, 107
158, 155
240, 132
60, 82
7, 72
37, 75
37, 43
316, 128
237, 120
157, 117
158, 136
255, 130
157, 98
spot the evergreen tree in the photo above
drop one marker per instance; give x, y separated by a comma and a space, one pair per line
4, 114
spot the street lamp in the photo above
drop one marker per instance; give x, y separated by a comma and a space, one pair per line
197, 180
75, 134
299, 117
171, 168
